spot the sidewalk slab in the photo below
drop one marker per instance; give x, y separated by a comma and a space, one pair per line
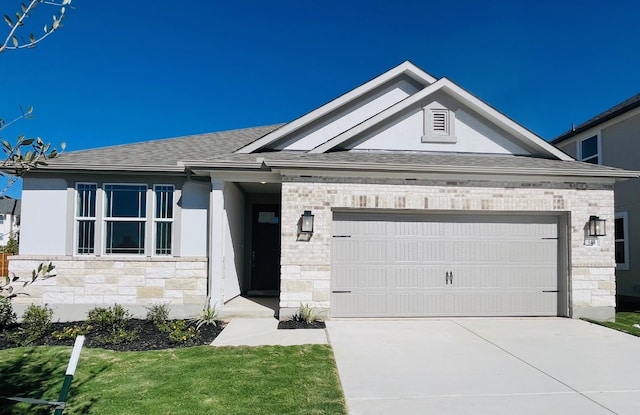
264, 332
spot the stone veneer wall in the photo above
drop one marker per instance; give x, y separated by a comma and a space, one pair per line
82, 283
306, 266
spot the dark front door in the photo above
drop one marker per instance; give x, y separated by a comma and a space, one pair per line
265, 248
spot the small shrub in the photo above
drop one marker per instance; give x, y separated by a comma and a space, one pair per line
180, 332
158, 314
304, 314
7, 316
36, 321
70, 333
111, 324
108, 319
207, 317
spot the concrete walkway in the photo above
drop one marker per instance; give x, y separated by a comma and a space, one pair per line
486, 366
264, 332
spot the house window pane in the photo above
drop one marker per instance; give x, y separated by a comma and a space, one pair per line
589, 150
125, 237
163, 217
163, 238
85, 218
86, 200
620, 257
86, 236
164, 202
125, 201
620, 235
619, 231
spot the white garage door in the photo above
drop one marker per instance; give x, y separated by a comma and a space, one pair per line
388, 265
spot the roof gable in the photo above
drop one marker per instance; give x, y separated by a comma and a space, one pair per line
347, 110
391, 113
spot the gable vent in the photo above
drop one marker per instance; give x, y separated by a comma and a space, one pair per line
438, 125
440, 122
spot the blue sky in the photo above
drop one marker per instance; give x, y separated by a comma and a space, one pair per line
123, 71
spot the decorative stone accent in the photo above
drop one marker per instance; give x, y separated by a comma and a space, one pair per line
89, 281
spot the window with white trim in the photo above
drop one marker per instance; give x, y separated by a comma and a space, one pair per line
621, 235
163, 219
85, 218
125, 217
589, 150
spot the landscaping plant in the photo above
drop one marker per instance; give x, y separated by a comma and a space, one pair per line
110, 324
7, 316
305, 314
36, 322
207, 317
158, 313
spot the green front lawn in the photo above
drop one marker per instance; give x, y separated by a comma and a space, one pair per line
624, 322
193, 381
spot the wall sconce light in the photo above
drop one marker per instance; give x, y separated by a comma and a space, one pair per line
597, 226
305, 226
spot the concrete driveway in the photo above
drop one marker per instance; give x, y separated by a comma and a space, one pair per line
486, 366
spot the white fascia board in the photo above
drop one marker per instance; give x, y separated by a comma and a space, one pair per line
378, 118
221, 164
516, 130
405, 68
246, 177
476, 177
491, 170
60, 167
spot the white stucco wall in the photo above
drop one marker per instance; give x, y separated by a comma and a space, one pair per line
472, 135
233, 240
346, 119
44, 213
195, 206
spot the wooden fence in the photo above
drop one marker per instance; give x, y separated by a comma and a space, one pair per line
4, 263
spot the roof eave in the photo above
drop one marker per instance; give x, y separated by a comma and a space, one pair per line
524, 171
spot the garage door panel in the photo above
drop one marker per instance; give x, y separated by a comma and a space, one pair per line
360, 278
500, 265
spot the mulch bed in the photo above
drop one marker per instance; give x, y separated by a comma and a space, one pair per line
292, 324
149, 337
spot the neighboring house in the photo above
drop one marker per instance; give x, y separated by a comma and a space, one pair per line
612, 138
9, 219
423, 201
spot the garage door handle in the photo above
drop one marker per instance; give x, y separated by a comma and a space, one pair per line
549, 291
446, 278
341, 292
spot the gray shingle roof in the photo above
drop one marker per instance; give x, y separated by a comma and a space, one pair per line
607, 115
9, 205
216, 151
163, 154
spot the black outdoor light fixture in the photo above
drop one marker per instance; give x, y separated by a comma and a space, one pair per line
305, 227
597, 226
